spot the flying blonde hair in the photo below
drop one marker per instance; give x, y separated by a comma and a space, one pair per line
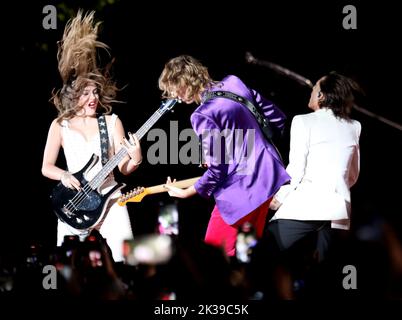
77, 64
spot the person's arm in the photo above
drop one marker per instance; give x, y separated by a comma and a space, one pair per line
50, 155
134, 157
217, 168
299, 149
178, 192
275, 115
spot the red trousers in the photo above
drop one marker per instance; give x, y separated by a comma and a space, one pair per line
221, 234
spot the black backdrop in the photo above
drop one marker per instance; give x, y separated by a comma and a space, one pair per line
306, 37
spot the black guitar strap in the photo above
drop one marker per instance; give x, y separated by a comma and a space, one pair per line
262, 121
104, 138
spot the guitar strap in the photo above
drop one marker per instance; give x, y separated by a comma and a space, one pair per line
104, 138
262, 121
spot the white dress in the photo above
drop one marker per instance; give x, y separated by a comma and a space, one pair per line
115, 227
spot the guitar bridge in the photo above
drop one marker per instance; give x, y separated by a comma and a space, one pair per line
68, 212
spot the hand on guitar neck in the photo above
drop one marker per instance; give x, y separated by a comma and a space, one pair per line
137, 194
178, 191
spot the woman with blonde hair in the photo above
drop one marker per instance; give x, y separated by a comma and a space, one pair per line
88, 92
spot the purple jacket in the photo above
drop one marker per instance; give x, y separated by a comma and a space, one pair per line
252, 171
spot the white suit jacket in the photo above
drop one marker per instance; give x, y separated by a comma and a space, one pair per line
324, 162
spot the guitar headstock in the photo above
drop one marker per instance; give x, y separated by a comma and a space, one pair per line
135, 195
168, 105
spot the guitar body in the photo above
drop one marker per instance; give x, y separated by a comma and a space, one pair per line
83, 209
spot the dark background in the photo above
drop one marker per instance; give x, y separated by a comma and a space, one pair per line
305, 37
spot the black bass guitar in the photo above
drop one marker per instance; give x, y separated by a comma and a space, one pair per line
84, 209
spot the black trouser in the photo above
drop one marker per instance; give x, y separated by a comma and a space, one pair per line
285, 253
287, 232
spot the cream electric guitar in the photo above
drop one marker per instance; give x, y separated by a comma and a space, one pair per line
137, 194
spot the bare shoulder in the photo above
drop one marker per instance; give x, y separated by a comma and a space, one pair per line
55, 125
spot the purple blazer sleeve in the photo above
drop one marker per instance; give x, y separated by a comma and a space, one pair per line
207, 129
275, 115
